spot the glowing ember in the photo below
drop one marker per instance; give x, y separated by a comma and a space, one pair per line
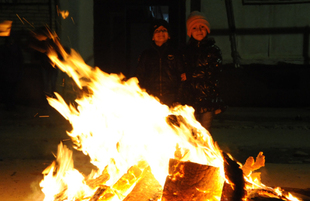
5, 28
124, 131
64, 13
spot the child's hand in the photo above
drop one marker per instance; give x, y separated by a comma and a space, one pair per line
183, 77
218, 111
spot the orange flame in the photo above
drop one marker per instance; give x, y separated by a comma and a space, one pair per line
119, 126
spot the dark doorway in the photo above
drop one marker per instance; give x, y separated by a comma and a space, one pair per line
121, 30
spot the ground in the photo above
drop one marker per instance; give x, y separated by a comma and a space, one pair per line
29, 136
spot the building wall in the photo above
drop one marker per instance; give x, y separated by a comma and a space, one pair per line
77, 30
264, 33
26, 17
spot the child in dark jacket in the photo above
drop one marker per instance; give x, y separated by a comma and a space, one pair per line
202, 62
160, 66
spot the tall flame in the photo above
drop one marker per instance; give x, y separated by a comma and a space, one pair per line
117, 124
120, 126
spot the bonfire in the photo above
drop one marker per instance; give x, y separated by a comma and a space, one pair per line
140, 149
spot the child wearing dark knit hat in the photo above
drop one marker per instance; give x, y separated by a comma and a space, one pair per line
159, 67
160, 31
202, 65
156, 23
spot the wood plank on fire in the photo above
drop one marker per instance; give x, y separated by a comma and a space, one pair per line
235, 189
148, 188
124, 187
192, 181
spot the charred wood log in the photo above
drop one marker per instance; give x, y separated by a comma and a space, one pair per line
235, 189
98, 193
267, 194
61, 195
265, 199
192, 181
103, 193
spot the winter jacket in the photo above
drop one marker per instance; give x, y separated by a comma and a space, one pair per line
158, 72
202, 63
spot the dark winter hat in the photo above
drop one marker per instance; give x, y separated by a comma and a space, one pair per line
196, 18
157, 23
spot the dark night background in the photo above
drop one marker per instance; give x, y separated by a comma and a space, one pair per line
265, 80
120, 34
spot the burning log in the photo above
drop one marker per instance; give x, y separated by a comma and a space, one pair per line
267, 195
235, 189
103, 193
192, 181
104, 177
98, 193
61, 196
148, 188
126, 183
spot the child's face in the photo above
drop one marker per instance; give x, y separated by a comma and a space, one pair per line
160, 35
199, 32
